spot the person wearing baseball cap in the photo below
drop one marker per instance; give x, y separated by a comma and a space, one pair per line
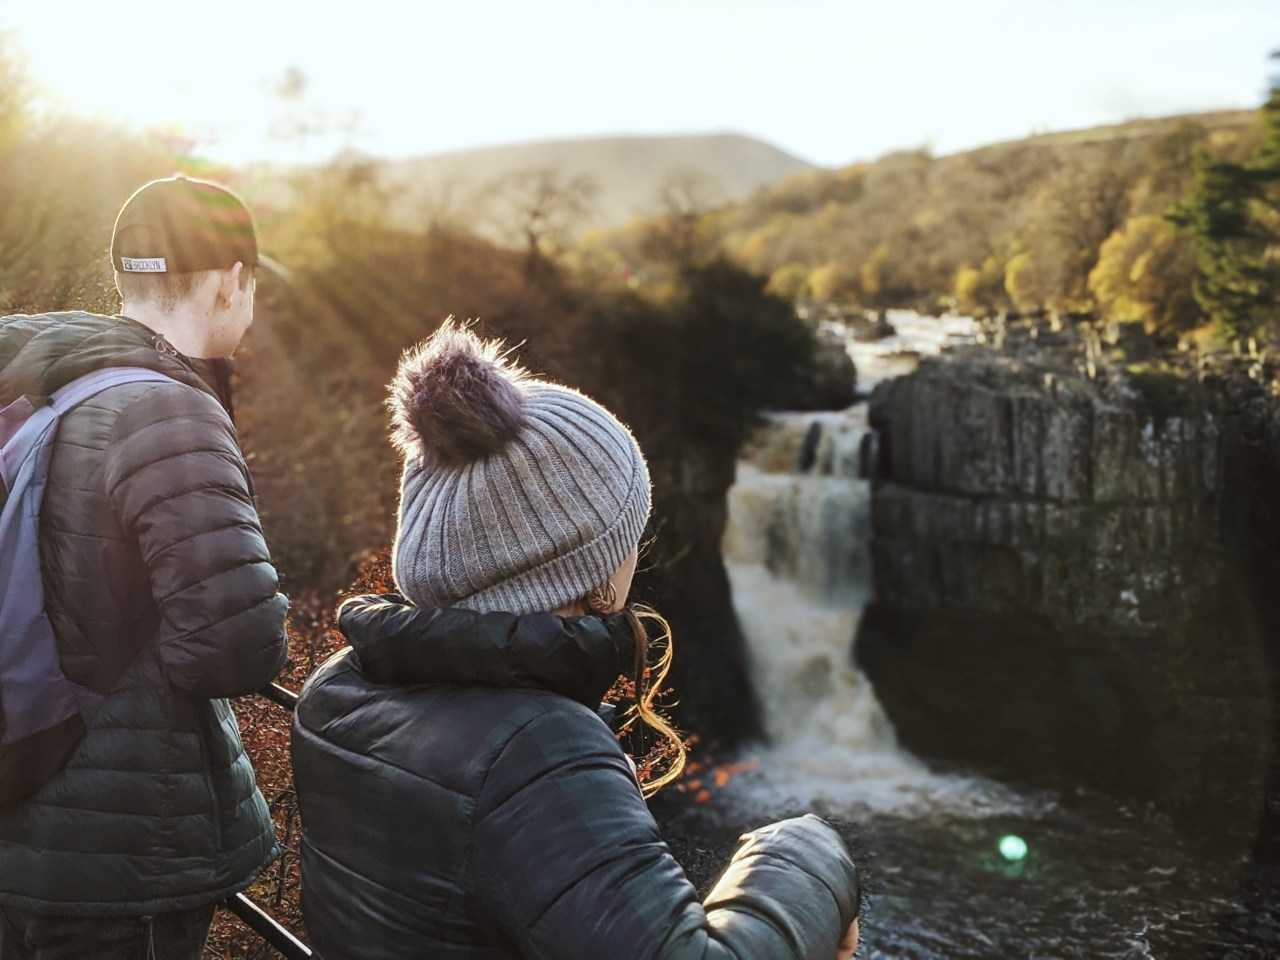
160, 591
184, 253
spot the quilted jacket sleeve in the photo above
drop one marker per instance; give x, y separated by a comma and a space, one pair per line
560, 796
179, 484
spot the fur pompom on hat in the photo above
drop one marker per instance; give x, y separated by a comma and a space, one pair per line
456, 398
517, 494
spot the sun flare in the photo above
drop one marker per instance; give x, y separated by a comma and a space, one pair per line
196, 76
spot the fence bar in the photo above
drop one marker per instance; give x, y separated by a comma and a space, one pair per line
262, 923
281, 696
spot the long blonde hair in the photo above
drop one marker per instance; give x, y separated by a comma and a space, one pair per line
664, 764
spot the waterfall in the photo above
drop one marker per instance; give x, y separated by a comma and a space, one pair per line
796, 548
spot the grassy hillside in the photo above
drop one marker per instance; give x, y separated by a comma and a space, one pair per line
1018, 225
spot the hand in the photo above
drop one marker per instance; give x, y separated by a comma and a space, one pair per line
849, 945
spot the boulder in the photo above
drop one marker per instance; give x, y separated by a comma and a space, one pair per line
867, 327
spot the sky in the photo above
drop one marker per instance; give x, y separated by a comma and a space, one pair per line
832, 82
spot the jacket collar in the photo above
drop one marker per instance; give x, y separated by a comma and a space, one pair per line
399, 644
47, 351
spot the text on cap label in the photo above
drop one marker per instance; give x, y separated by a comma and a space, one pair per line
143, 265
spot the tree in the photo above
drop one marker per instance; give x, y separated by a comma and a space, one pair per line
741, 351
540, 208
1233, 218
339, 215
1144, 275
1169, 164
833, 281
1081, 205
980, 290
1029, 281
791, 282
15, 92
679, 234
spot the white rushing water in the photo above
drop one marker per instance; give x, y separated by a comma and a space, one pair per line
796, 548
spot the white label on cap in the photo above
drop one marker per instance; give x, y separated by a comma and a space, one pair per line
143, 265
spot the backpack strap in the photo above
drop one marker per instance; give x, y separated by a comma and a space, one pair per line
42, 713
90, 385
26, 431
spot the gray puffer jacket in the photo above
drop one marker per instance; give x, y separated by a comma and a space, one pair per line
462, 799
163, 597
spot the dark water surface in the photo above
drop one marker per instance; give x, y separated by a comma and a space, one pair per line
1097, 881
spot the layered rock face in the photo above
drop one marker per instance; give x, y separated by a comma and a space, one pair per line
1073, 580
682, 565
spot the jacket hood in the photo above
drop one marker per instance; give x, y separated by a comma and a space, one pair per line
40, 353
399, 644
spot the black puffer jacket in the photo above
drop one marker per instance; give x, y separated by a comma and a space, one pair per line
163, 596
451, 809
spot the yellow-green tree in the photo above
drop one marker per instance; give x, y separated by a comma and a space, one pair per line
833, 281
979, 290
791, 282
1031, 283
1145, 274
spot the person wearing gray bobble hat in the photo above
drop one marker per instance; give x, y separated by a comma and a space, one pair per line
462, 792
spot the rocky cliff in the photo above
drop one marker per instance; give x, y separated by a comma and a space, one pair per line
1075, 580
682, 573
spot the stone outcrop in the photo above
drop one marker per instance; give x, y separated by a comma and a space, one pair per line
1074, 581
832, 383
683, 566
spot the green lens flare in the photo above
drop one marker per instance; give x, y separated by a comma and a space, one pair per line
1012, 847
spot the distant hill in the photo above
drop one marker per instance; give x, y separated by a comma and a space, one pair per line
1019, 224
630, 170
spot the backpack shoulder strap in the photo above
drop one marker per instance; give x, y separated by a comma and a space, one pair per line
30, 425
91, 384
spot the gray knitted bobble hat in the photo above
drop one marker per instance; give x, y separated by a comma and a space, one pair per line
517, 494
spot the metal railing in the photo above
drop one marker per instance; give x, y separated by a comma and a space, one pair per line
268, 928
250, 914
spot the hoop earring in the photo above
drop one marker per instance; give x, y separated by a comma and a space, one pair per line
601, 599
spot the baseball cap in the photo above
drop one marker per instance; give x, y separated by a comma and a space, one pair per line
179, 225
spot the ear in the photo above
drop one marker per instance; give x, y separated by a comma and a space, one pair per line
229, 284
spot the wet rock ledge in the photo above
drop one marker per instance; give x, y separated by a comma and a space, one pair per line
1078, 581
